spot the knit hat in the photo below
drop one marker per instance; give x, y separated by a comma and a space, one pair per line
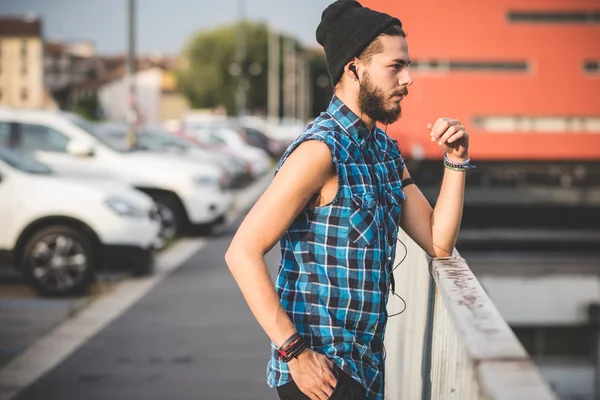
346, 29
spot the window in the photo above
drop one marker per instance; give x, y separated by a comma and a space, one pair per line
591, 66
24, 49
465, 65
216, 139
558, 124
24, 94
556, 17
39, 137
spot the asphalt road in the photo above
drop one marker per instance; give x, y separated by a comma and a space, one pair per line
191, 337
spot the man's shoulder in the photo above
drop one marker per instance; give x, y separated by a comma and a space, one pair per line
323, 129
323, 126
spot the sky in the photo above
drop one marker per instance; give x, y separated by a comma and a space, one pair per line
163, 26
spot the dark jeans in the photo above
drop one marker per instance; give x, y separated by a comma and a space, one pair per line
345, 389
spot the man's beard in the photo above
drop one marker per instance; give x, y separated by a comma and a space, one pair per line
372, 100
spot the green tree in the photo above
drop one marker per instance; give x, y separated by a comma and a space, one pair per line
205, 79
89, 108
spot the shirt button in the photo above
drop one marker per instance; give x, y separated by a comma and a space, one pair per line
389, 258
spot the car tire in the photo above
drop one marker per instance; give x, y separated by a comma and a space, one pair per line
58, 261
172, 215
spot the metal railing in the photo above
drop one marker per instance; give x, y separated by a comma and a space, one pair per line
451, 342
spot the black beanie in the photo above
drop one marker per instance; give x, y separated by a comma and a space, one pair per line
346, 29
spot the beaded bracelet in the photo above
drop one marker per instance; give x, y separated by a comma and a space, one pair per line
458, 166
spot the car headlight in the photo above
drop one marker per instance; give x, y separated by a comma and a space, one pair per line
123, 207
206, 181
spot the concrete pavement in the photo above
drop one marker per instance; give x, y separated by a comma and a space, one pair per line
191, 337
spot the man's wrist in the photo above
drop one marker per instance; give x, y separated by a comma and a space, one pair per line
287, 334
457, 159
294, 361
292, 348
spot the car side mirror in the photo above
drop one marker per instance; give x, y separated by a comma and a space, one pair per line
80, 148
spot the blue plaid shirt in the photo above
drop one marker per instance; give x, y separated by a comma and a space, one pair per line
336, 261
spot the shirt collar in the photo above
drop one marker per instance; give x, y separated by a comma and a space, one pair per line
351, 123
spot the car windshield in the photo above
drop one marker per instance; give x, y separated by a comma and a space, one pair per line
231, 137
24, 161
152, 139
165, 139
115, 138
94, 130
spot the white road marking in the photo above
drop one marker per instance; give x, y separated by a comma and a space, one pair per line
56, 346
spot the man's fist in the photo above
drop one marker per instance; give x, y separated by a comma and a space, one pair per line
452, 138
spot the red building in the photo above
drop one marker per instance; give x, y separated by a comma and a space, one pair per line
522, 75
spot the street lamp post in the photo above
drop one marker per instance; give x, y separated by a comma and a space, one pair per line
131, 67
273, 95
241, 60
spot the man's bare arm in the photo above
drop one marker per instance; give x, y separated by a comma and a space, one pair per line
303, 174
435, 230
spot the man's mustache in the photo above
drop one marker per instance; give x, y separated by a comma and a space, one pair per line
403, 92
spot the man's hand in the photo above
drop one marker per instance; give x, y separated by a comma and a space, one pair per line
312, 373
452, 138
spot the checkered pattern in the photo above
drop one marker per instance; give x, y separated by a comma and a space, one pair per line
336, 259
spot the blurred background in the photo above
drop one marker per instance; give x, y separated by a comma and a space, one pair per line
120, 116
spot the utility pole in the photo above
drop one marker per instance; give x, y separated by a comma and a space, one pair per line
132, 116
309, 91
293, 79
304, 91
299, 86
289, 92
273, 96
274, 77
241, 59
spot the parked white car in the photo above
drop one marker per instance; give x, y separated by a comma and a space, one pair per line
186, 193
156, 139
216, 133
59, 231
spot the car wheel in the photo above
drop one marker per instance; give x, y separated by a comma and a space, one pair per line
59, 261
171, 215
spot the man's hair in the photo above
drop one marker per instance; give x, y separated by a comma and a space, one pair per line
376, 47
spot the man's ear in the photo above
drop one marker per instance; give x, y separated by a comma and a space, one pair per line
351, 70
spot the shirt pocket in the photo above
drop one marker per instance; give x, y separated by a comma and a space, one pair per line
395, 198
364, 225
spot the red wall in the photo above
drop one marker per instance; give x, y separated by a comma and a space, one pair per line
479, 30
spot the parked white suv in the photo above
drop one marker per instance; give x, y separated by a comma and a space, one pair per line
186, 193
59, 231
